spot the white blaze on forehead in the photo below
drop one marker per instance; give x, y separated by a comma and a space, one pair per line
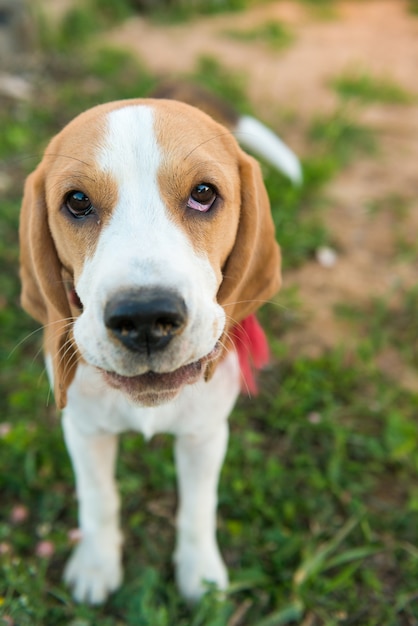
132, 156
131, 153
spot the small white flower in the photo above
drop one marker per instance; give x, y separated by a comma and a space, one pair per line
326, 257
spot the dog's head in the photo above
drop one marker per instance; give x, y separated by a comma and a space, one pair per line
146, 234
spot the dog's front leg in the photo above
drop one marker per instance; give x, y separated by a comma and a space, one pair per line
94, 569
197, 556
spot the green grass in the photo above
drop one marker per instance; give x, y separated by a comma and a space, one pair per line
322, 9
390, 322
212, 75
169, 12
309, 519
272, 33
369, 89
413, 7
318, 512
341, 138
399, 207
79, 24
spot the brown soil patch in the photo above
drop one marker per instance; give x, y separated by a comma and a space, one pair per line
377, 34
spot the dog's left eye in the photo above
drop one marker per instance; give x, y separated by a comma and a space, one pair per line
202, 197
78, 204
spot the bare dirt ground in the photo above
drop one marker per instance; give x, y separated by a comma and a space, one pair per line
377, 36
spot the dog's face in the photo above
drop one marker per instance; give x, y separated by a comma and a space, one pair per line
145, 235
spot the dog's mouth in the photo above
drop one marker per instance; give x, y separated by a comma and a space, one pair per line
153, 388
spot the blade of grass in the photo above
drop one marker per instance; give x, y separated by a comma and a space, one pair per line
288, 614
316, 562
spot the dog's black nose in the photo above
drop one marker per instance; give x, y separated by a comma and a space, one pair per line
147, 320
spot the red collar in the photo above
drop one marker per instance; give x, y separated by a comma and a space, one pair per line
253, 352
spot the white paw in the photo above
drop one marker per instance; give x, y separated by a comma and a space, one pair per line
94, 569
196, 569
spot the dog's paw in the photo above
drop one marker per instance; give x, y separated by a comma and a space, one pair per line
94, 569
196, 571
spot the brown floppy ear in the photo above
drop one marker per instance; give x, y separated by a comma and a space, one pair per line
252, 273
43, 292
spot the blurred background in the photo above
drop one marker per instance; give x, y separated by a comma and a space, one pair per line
318, 511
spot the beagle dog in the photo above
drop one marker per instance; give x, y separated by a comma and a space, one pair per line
147, 244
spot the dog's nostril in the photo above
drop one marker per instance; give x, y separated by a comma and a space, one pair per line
165, 325
146, 321
160, 327
124, 327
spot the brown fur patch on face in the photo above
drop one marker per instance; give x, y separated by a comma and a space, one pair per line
70, 163
197, 150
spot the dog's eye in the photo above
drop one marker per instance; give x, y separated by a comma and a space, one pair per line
78, 204
202, 197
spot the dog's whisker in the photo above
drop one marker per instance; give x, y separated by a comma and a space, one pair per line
227, 348
24, 340
48, 396
67, 347
59, 331
74, 358
57, 155
202, 143
260, 303
34, 332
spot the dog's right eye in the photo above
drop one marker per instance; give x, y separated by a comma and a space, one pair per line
78, 204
